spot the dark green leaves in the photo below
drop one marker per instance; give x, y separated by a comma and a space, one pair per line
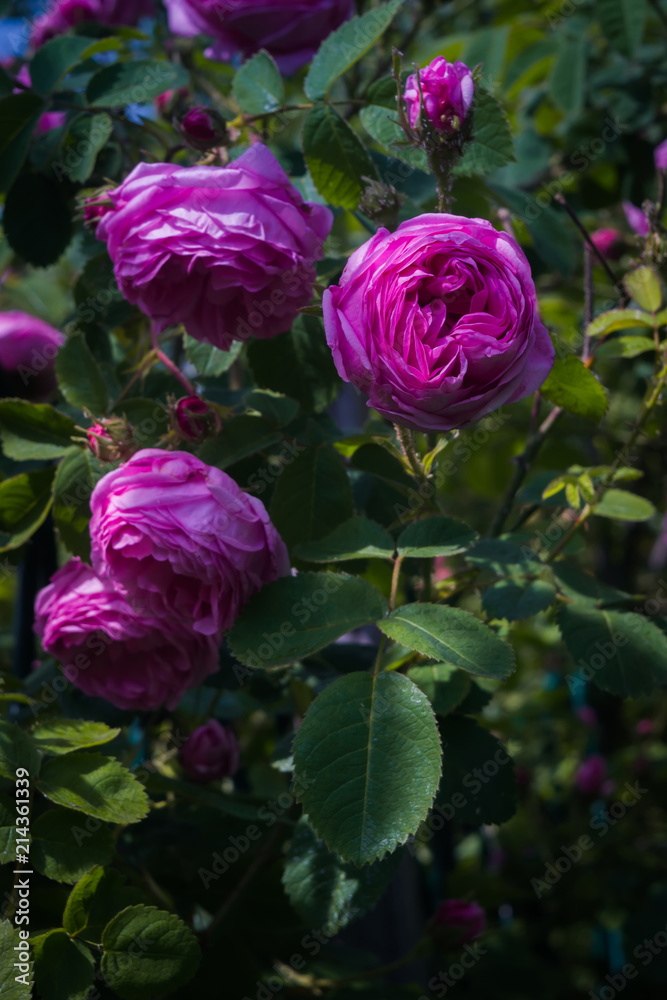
94, 901
516, 599
450, 635
312, 497
24, 503
357, 538
134, 82
37, 219
568, 76
56, 58
623, 506
345, 46
76, 478
337, 160
618, 319
381, 125
168, 950
492, 145
64, 847
444, 686
33, 431
622, 23
208, 360
258, 85
243, 436
367, 764
10, 940
64, 969
16, 750
96, 785
79, 377
297, 363
65, 735
19, 114
574, 387
435, 536
478, 780
90, 134
297, 616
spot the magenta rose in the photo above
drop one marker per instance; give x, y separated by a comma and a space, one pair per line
660, 156
291, 30
610, 242
193, 418
211, 752
28, 347
438, 322
448, 90
202, 128
227, 251
115, 649
636, 219
468, 919
185, 537
62, 15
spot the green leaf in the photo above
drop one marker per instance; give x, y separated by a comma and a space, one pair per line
625, 347
620, 651
64, 847
381, 125
273, 406
19, 114
258, 86
312, 497
492, 145
568, 75
134, 82
98, 786
552, 235
79, 377
514, 600
10, 989
297, 363
17, 750
24, 503
8, 832
208, 360
618, 319
623, 506
357, 538
95, 900
435, 536
34, 431
584, 588
89, 133
296, 616
57, 57
65, 735
168, 953
367, 764
37, 219
337, 160
450, 635
643, 285
240, 437
76, 478
574, 387
445, 686
622, 22
64, 969
345, 46
478, 780
325, 891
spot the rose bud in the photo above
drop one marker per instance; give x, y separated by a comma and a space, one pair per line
636, 219
28, 347
99, 440
609, 242
193, 418
660, 156
211, 752
591, 774
448, 90
203, 128
112, 440
468, 920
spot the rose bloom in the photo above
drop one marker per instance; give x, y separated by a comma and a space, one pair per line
193, 418
28, 347
115, 650
62, 15
448, 91
227, 251
202, 128
660, 156
468, 918
181, 534
438, 322
291, 30
210, 752
610, 242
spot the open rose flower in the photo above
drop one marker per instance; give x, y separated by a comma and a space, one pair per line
211, 752
183, 536
291, 30
28, 347
115, 649
448, 90
227, 251
62, 15
438, 322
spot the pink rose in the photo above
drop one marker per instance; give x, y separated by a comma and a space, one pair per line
467, 918
438, 322
185, 537
591, 774
65, 14
193, 418
291, 30
228, 251
636, 219
211, 752
28, 347
448, 91
610, 242
660, 156
114, 649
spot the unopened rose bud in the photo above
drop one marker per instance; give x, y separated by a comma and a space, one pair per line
203, 128
166, 102
591, 774
447, 89
610, 242
660, 156
636, 219
112, 440
381, 203
467, 920
193, 418
211, 752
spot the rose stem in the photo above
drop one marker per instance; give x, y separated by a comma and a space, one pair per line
169, 364
618, 285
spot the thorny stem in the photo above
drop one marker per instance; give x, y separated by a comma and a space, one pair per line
169, 364
407, 442
618, 284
